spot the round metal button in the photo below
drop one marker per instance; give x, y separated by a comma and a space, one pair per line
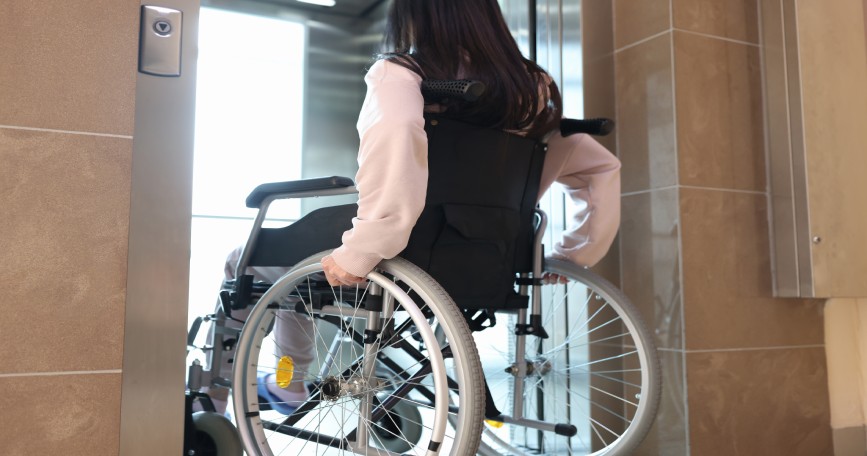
163, 27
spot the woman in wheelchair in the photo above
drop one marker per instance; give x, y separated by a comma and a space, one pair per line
445, 40
401, 187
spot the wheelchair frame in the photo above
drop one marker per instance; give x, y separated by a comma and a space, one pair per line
529, 323
460, 394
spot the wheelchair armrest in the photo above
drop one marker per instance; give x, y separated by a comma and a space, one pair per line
304, 185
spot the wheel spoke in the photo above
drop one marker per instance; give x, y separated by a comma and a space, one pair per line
402, 404
590, 363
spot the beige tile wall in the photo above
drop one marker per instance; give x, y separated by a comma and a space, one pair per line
744, 373
51, 52
636, 20
720, 140
60, 415
645, 108
727, 277
67, 89
732, 19
833, 71
66, 206
597, 50
762, 401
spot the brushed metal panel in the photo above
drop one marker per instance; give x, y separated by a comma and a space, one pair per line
342, 8
804, 259
790, 238
339, 55
784, 245
517, 14
152, 403
572, 59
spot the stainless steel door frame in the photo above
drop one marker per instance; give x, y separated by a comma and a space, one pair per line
152, 396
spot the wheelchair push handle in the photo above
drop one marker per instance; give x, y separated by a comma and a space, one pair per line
597, 127
438, 91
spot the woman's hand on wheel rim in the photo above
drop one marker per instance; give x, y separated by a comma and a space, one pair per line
549, 278
338, 276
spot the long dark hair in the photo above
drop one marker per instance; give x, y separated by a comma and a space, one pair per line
442, 39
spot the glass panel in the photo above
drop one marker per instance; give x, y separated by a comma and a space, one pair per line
278, 96
249, 106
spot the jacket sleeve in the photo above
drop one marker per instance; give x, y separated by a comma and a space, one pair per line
590, 175
392, 169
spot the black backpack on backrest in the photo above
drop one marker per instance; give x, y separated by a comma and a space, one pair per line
476, 230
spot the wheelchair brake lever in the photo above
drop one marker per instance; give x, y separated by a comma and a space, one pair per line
226, 302
194, 330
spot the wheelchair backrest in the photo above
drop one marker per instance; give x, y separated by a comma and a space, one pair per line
476, 231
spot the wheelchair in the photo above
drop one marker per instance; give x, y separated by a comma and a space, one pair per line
422, 358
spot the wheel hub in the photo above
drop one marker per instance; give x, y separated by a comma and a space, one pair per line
538, 367
334, 388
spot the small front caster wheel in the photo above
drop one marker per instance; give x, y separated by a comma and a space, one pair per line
214, 436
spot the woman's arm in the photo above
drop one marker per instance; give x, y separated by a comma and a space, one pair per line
392, 173
591, 177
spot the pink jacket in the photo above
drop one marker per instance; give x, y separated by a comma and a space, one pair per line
392, 178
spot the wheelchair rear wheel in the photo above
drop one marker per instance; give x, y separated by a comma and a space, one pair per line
377, 381
597, 371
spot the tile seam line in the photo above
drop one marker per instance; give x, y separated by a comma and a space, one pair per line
723, 38
722, 189
67, 132
680, 298
689, 32
650, 190
57, 374
723, 350
643, 40
693, 187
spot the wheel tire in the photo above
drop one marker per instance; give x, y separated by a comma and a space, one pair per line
215, 436
298, 291
597, 306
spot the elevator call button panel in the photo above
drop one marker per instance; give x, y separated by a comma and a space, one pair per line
160, 41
